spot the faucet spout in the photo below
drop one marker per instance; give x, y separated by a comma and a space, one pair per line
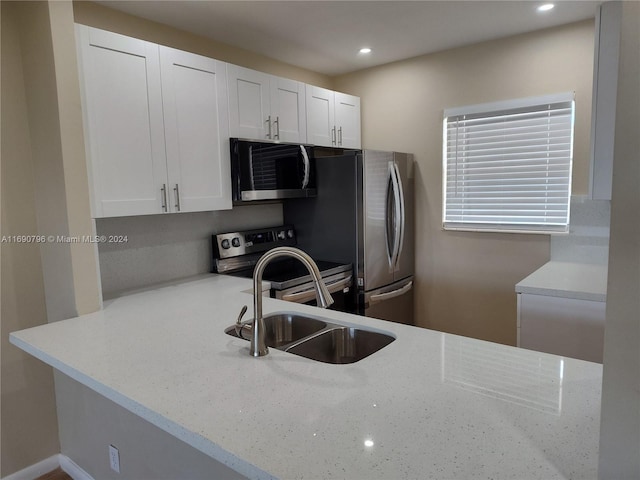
258, 345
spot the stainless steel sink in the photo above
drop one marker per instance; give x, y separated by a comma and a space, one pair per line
341, 345
285, 328
317, 339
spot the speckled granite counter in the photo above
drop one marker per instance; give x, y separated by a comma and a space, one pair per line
429, 405
581, 281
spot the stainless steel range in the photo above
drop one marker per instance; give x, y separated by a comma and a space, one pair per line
236, 253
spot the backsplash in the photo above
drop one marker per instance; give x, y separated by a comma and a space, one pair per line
160, 248
588, 238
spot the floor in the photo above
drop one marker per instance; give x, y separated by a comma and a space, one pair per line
57, 474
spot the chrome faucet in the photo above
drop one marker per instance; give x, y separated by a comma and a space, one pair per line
258, 345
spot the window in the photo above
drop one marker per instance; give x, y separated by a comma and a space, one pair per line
507, 165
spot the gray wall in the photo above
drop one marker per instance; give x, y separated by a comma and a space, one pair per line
89, 423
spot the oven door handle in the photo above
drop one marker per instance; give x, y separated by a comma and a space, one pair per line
309, 294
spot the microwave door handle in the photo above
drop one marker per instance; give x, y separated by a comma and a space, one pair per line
307, 167
251, 179
402, 211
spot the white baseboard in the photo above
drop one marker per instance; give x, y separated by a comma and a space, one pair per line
36, 470
72, 469
49, 464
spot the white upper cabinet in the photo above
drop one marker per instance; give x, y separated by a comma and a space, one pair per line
155, 127
288, 107
347, 120
333, 118
320, 116
265, 107
196, 131
123, 122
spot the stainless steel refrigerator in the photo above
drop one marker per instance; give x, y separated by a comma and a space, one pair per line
363, 214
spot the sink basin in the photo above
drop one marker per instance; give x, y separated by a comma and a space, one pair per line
341, 345
285, 328
317, 339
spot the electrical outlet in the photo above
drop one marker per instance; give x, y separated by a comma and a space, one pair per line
114, 458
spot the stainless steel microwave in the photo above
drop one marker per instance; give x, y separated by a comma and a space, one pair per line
271, 171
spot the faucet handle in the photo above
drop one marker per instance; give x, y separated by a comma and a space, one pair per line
240, 327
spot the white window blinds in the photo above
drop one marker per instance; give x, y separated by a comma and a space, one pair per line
507, 165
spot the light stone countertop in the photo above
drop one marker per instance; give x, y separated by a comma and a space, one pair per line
582, 281
429, 405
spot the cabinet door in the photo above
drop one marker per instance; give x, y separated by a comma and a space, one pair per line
288, 112
197, 138
120, 78
347, 120
249, 103
563, 326
320, 116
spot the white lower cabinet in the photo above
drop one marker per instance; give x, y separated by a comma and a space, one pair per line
155, 126
333, 118
563, 326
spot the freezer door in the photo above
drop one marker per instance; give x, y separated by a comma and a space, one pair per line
388, 217
377, 209
393, 302
405, 256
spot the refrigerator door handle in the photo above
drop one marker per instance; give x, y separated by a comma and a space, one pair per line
397, 218
380, 297
402, 214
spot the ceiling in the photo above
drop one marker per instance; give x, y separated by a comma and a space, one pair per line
325, 36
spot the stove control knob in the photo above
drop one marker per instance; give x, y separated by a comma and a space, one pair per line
235, 242
225, 243
282, 235
290, 233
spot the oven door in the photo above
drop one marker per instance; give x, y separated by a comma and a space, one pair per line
339, 285
269, 171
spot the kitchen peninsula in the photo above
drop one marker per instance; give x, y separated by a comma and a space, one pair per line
428, 405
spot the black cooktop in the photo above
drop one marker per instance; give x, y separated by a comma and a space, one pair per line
289, 272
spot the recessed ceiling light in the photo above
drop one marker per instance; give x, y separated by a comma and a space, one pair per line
545, 7
365, 50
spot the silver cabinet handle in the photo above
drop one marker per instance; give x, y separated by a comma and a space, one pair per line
277, 124
177, 192
163, 199
394, 293
333, 135
268, 121
340, 136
